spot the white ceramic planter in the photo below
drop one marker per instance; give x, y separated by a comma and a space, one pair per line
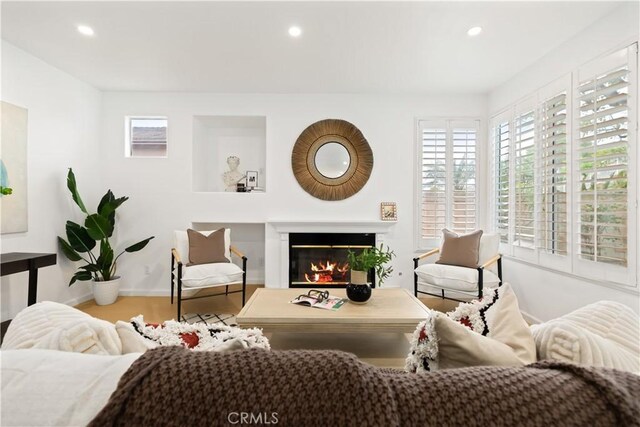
358, 277
106, 293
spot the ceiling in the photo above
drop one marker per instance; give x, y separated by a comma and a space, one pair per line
346, 47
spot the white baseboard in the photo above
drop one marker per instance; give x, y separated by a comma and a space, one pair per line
79, 300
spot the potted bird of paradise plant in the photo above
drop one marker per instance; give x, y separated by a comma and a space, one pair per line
90, 243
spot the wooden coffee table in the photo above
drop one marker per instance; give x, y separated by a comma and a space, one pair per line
377, 331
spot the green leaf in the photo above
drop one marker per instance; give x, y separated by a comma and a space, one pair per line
73, 188
68, 250
105, 259
108, 197
108, 206
80, 275
99, 227
93, 268
136, 247
79, 237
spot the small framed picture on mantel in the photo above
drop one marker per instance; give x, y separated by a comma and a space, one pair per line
252, 179
388, 211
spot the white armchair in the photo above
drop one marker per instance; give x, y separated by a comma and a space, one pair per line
462, 280
202, 276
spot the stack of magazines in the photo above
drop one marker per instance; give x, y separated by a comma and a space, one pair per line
319, 299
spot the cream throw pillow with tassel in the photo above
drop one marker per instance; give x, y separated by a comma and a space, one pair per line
490, 331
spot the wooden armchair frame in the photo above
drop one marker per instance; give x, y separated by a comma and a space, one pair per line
177, 279
496, 259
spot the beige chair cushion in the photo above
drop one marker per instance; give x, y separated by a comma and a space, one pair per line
207, 275
460, 250
605, 334
454, 277
206, 249
490, 331
181, 243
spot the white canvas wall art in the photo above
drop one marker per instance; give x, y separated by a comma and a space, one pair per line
13, 169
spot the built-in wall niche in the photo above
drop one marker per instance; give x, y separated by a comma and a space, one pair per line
216, 138
249, 238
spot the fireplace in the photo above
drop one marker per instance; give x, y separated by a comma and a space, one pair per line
319, 260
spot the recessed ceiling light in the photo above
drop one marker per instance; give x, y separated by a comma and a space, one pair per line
87, 31
474, 31
295, 31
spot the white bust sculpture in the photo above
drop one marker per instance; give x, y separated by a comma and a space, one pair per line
233, 175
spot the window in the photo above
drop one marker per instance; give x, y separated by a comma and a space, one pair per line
448, 177
501, 179
552, 171
565, 186
146, 137
603, 165
524, 196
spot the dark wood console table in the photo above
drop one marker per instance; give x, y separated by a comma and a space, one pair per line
16, 262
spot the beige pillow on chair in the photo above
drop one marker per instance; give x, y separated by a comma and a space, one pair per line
460, 250
181, 243
206, 249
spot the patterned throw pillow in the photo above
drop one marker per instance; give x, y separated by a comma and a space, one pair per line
139, 336
488, 331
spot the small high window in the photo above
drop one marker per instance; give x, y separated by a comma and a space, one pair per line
146, 137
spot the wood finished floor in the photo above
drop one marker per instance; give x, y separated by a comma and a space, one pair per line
159, 309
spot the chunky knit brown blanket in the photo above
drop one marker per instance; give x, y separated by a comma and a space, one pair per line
171, 386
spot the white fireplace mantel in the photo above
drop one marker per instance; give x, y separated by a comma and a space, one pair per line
331, 226
285, 227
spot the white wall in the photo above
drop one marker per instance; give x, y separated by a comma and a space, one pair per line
63, 131
160, 193
543, 293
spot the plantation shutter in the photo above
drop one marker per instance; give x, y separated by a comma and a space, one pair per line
433, 201
603, 157
524, 165
448, 188
552, 171
463, 206
501, 139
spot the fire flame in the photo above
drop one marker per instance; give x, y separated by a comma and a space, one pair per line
325, 272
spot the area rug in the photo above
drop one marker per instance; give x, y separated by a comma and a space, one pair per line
210, 318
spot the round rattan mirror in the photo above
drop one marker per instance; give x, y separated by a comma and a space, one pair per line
332, 160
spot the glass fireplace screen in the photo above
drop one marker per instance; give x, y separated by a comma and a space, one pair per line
320, 259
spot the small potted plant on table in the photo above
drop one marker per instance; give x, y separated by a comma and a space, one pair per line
359, 289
